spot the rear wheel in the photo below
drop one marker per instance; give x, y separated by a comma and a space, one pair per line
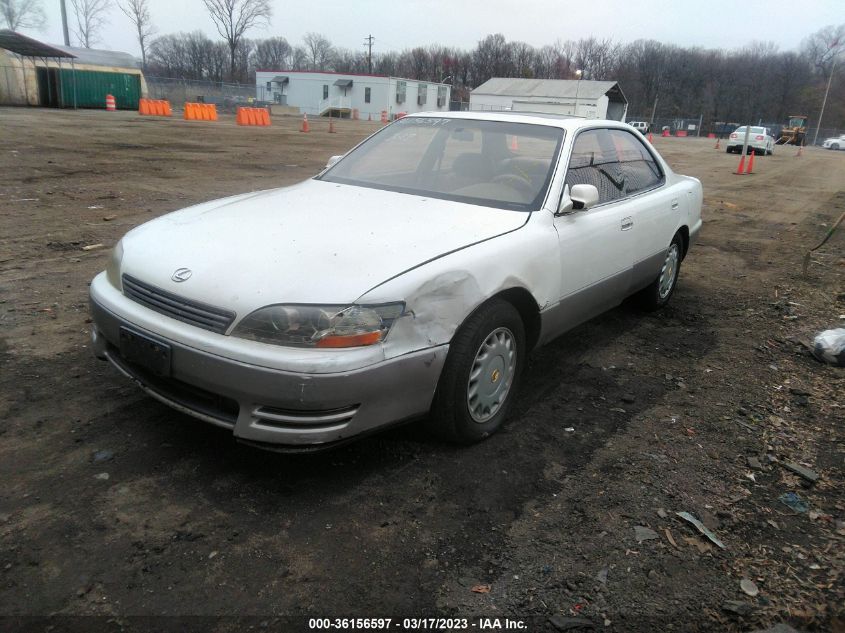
657, 294
834, 146
482, 371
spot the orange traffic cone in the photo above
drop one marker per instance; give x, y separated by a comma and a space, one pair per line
514, 144
800, 151
751, 162
331, 126
740, 171
305, 127
650, 138
717, 144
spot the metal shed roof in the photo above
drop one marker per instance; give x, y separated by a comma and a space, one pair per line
100, 57
343, 83
509, 87
28, 47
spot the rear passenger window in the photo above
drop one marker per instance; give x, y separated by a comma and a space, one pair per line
594, 162
637, 164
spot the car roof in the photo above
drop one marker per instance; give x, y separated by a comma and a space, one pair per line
565, 121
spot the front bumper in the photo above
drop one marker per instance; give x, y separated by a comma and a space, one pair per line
270, 406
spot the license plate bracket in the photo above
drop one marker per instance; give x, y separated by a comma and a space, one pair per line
145, 351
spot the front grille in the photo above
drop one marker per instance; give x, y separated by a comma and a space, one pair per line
193, 312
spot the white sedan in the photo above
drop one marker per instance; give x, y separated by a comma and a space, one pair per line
836, 142
759, 141
411, 278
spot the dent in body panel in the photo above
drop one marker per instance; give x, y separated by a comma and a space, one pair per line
433, 312
440, 295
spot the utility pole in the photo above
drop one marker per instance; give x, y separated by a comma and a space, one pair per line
827, 90
64, 23
368, 42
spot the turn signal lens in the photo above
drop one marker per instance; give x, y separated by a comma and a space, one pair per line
350, 340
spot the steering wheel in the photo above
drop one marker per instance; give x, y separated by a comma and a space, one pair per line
515, 181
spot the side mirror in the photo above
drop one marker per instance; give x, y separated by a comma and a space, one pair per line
583, 197
333, 160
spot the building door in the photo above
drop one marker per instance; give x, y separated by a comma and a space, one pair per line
49, 88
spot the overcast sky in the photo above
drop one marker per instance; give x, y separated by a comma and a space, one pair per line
398, 24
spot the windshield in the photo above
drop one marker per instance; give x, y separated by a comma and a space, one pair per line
492, 163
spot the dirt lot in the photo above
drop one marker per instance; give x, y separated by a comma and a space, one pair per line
113, 505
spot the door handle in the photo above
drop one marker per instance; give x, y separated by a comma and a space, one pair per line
627, 223
675, 204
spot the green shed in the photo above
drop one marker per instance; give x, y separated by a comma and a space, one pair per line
67, 88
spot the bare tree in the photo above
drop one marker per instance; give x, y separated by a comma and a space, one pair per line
22, 14
273, 53
319, 50
138, 11
90, 18
233, 18
824, 46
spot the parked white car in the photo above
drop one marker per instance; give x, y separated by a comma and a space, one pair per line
639, 126
410, 278
835, 142
759, 141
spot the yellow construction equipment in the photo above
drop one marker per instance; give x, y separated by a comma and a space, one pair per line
794, 131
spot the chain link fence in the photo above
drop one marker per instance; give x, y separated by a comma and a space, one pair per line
226, 96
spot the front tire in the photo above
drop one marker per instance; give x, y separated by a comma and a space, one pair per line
657, 294
481, 375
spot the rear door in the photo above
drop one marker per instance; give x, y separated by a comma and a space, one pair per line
652, 206
595, 245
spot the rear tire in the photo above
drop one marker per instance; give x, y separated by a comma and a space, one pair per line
481, 375
658, 292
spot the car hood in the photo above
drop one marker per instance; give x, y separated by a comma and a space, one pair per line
315, 242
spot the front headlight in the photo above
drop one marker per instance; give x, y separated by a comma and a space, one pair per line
319, 326
113, 267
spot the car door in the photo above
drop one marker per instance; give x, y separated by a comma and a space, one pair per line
652, 206
595, 245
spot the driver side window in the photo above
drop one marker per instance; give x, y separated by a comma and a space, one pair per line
594, 162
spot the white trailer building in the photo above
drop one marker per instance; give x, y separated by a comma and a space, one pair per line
588, 99
339, 94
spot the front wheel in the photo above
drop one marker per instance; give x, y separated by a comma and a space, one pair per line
657, 294
481, 375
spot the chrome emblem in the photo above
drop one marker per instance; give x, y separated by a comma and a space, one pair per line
181, 274
495, 376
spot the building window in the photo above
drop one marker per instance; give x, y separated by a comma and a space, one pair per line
269, 86
441, 96
366, 95
325, 91
401, 89
422, 90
